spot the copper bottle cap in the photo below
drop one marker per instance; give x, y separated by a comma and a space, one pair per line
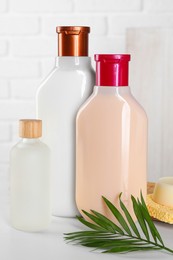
30, 128
72, 40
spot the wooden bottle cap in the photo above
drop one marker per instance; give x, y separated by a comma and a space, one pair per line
30, 128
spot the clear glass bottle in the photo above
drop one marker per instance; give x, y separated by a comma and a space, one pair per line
111, 140
30, 198
58, 100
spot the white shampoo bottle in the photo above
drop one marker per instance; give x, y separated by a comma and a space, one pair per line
58, 100
30, 193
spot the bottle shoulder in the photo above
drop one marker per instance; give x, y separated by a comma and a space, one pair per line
70, 70
102, 102
28, 145
67, 77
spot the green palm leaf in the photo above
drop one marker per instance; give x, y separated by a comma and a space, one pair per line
108, 237
88, 224
129, 218
109, 223
149, 221
117, 215
140, 218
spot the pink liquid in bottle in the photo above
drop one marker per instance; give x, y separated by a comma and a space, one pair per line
111, 140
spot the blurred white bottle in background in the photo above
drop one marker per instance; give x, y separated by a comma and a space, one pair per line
30, 192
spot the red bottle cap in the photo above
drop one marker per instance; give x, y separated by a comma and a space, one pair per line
112, 69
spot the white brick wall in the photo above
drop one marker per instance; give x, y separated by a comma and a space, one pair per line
3, 47
24, 88
41, 6
5, 132
158, 6
98, 22
11, 24
3, 5
4, 89
15, 109
28, 46
108, 6
17, 68
138, 20
33, 47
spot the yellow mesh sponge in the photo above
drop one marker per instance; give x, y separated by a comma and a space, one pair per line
159, 212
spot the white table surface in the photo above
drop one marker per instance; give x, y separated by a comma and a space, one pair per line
50, 245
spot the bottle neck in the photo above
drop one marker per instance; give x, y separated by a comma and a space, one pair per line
112, 90
75, 62
30, 140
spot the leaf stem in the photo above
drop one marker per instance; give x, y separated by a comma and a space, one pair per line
167, 249
161, 247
